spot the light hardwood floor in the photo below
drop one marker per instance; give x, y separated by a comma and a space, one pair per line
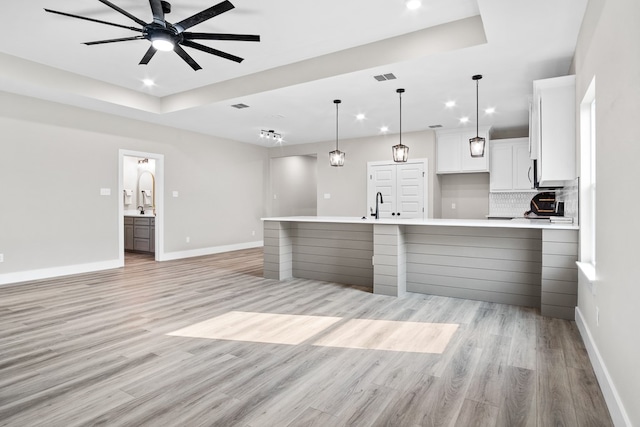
137, 346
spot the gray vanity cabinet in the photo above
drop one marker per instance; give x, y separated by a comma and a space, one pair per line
139, 234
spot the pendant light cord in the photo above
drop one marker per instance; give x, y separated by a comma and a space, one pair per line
477, 108
337, 102
400, 91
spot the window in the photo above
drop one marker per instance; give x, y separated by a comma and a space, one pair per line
588, 177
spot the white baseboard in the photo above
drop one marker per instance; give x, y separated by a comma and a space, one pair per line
47, 273
209, 251
611, 397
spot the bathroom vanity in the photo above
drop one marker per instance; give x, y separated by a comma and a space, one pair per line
139, 233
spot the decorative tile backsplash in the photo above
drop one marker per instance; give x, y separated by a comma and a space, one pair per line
509, 204
517, 203
569, 195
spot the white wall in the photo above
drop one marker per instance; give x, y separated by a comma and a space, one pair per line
609, 49
294, 185
54, 160
347, 185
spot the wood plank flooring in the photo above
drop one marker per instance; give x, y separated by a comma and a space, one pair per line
96, 349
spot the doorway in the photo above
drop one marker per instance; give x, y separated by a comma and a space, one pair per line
141, 188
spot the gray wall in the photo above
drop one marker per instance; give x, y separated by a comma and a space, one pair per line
347, 185
609, 48
469, 192
294, 186
54, 160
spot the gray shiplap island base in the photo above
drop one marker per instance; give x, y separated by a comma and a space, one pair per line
527, 263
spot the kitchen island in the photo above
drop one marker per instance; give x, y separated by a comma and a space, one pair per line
521, 262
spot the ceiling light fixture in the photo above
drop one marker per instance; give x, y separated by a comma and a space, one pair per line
489, 110
400, 151
476, 144
450, 104
361, 116
464, 120
384, 129
271, 134
148, 82
336, 157
162, 42
413, 4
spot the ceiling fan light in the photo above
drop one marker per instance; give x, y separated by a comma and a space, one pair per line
162, 44
476, 145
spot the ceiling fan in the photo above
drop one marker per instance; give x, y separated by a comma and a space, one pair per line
166, 36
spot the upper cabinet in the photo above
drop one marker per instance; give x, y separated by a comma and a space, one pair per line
453, 155
511, 167
552, 128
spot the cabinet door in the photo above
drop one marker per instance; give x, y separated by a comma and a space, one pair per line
473, 164
152, 240
382, 178
410, 191
501, 177
448, 153
522, 167
128, 237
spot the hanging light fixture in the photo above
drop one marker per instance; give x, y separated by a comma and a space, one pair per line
400, 151
476, 145
336, 157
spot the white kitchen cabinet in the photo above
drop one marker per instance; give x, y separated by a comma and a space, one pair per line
453, 154
553, 130
402, 186
511, 168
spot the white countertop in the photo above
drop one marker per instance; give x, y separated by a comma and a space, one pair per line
491, 223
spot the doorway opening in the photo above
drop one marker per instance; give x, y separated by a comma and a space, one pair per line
141, 207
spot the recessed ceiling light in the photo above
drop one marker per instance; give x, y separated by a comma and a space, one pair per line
490, 110
148, 82
360, 116
464, 120
450, 104
413, 4
384, 129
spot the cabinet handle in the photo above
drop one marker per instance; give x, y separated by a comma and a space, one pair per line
398, 213
393, 213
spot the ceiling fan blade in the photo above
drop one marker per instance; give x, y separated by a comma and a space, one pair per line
189, 60
147, 56
203, 16
124, 12
212, 51
158, 12
217, 36
93, 20
124, 39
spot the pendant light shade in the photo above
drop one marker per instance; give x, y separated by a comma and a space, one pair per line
400, 151
336, 157
476, 145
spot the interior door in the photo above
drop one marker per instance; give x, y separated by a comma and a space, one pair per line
410, 190
382, 178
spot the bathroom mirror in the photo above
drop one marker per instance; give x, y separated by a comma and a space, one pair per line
146, 190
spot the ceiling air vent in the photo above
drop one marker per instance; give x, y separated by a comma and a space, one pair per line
385, 77
435, 126
240, 106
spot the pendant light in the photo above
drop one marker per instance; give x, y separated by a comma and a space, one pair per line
476, 145
336, 157
400, 151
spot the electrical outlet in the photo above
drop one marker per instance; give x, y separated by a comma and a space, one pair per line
1, 257
253, 233
597, 316
188, 239
453, 205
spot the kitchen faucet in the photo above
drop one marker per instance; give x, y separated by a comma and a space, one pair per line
141, 209
377, 214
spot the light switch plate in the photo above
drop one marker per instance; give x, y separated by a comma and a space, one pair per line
105, 191
1, 257
175, 194
327, 195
